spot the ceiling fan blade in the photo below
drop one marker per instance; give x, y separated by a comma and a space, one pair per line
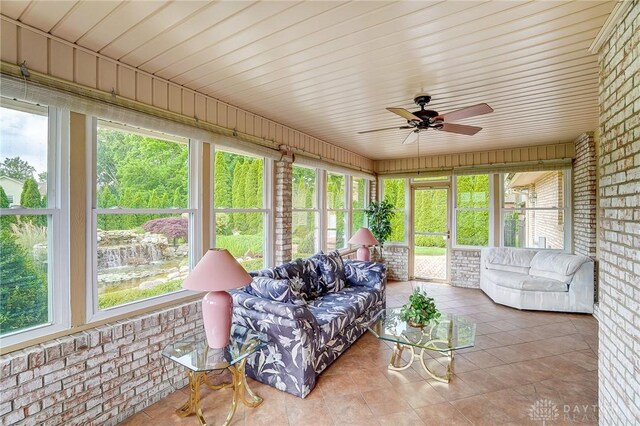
386, 128
467, 112
411, 138
407, 115
460, 129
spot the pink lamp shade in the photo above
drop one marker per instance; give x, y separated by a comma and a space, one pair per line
365, 238
216, 272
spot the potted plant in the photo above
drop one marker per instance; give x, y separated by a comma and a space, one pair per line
379, 216
420, 310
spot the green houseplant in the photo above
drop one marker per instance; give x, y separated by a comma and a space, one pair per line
379, 215
420, 310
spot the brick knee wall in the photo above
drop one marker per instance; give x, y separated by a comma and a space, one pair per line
396, 259
100, 376
465, 268
619, 222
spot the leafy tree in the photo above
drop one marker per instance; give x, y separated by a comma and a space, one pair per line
30, 196
42, 177
223, 180
23, 291
5, 221
4, 200
173, 228
16, 168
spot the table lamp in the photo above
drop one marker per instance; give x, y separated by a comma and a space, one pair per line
216, 272
365, 238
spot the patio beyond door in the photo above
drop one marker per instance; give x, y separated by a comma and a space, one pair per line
430, 242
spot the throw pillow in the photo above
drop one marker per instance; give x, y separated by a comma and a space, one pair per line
312, 269
332, 269
276, 290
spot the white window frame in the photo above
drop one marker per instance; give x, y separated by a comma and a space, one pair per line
566, 211
195, 224
405, 210
267, 203
317, 210
455, 209
346, 210
367, 188
58, 230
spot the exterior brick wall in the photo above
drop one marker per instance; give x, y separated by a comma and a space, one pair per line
282, 209
96, 377
465, 268
584, 196
547, 224
396, 259
619, 222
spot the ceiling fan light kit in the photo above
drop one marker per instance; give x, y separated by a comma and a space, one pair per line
429, 119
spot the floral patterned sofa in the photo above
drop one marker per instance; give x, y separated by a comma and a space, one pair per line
312, 310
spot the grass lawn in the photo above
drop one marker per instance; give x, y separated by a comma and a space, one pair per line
430, 251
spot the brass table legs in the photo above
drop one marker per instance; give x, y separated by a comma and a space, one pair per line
396, 360
241, 391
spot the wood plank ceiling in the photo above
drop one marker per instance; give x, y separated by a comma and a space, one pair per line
330, 68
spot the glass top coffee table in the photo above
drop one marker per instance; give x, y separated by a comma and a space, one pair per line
448, 333
199, 359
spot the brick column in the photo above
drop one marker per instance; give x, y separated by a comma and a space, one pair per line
619, 221
584, 196
282, 209
373, 190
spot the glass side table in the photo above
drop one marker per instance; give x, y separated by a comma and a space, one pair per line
199, 359
446, 334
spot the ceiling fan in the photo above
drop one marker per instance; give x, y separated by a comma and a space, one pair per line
428, 119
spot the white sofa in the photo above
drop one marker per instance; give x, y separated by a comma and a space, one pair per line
544, 280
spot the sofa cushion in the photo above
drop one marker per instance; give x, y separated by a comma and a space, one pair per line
335, 311
556, 265
332, 269
277, 290
520, 258
298, 274
524, 282
508, 268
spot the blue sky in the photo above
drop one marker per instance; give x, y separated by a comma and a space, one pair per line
23, 135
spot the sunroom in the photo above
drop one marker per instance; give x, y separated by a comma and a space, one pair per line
137, 136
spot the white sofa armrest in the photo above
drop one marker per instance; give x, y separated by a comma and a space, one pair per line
581, 287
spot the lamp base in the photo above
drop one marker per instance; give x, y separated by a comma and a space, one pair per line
216, 314
363, 253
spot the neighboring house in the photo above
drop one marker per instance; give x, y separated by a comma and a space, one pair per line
539, 190
13, 188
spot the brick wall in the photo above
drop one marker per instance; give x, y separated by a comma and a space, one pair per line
396, 258
96, 377
282, 209
465, 268
584, 196
619, 222
548, 224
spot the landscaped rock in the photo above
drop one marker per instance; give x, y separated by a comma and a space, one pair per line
151, 284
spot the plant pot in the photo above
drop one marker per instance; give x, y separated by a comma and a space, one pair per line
415, 324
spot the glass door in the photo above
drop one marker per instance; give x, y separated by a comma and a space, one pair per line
430, 242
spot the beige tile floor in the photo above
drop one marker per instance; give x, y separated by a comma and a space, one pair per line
519, 358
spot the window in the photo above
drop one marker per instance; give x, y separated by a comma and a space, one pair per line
240, 214
143, 217
535, 206
359, 202
305, 215
34, 291
336, 211
394, 191
472, 210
